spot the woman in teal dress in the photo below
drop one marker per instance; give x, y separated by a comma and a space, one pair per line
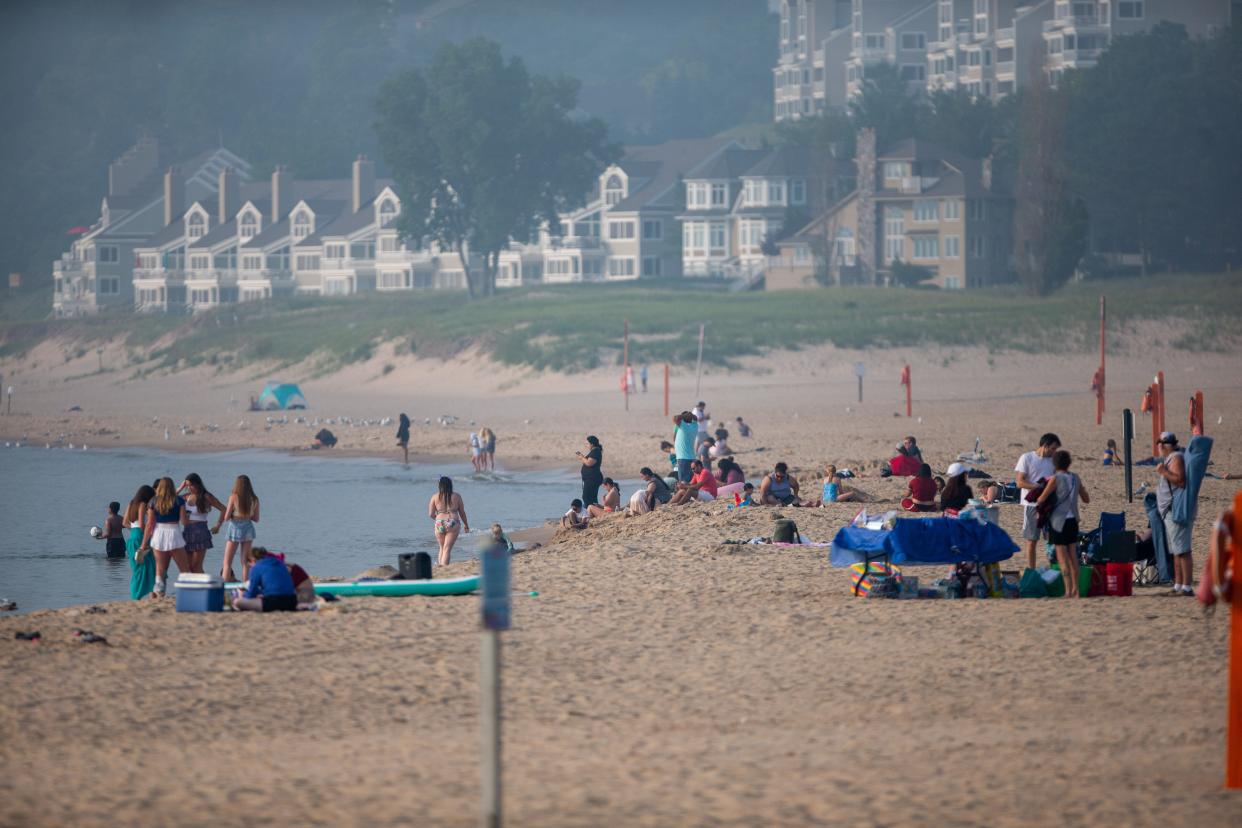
141, 572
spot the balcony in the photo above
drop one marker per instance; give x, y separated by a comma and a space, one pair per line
1005, 35
577, 243
1076, 21
1005, 69
817, 57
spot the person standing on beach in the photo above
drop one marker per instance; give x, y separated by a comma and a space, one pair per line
1033, 469
1065, 489
141, 564
476, 451
700, 420
449, 513
199, 503
642, 373
403, 436
1172, 471
241, 514
164, 535
683, 443
592, 470
488, 439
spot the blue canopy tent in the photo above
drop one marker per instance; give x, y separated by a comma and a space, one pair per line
929, 541
278, 396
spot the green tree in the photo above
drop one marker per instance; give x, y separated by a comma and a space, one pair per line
885, 104
482, 152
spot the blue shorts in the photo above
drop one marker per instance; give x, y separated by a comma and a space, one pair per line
683, 470
241, 531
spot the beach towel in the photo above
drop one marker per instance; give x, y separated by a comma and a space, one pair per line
1164, 563
1195, 460
930, 540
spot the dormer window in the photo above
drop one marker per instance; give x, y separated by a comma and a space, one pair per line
196, 226
614, 190
302, 225
387, 212
249, 227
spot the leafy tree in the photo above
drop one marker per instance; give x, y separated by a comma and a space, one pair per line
959, 121
482, 152
885, 104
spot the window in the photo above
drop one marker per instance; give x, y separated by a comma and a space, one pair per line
925, 210
973, 58
109, 285
249, 226
588, 227
1054, 45
751, 234
397, 279
875, 41
718, 237
653, 266
196, 226
952, 283
987, 57
981, 25
894, 233
913, 72
252, 262
200, 263
619, 267
653, 229
894, 170
975, 210
926, 247
301, 225
696, 196
753, 192
693, 237
953, 247
620, 229
797, 191
978, 249
946, 32
557, 267
308, 262
912, 41
776, 192
334, 251
614, 190
387, 212
801, 254
107, 254
389, 244
720, 195
1130, 10
843, 248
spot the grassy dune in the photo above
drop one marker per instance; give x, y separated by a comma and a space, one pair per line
579, 327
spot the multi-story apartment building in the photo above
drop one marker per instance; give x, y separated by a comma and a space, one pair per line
892, 31
742, 200
915, 203
815, 43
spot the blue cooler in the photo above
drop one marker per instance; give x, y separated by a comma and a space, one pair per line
199, 593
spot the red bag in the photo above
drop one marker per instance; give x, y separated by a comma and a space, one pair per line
1119, 579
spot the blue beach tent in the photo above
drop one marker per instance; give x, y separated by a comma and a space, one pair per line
281, 395
929, 540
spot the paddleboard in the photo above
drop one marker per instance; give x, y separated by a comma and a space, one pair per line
446, 586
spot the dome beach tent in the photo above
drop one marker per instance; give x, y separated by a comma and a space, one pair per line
281, 395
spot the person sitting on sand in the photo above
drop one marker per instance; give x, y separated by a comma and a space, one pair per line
1110, 453
612, 499
702, 486
270, 587
653, 493
957, 493
729, 477
834, 491
721, 449
704, 451
499, 536
577, 517
748, 495
903, 465
778, 488
742, 428
912, 448
921, 492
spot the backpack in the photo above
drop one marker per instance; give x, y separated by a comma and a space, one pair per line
786, 531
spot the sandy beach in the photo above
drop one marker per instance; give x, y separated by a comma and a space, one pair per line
661, 676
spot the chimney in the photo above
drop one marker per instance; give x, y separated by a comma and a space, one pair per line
865, 158
364, 182
174, 195
282, 192
228, 195
985, 173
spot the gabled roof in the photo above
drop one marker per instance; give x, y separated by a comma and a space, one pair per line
812, 227
661, 167
787, 162
727, 165
351, 222
219, 233
270, 234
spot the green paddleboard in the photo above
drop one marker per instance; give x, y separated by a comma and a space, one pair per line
447, 586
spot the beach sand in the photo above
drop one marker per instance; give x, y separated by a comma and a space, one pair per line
661, 677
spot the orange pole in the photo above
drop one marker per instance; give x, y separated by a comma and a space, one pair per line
1160, 386
666, 389
1099, 399
1233, 737
908, 392
1199, 415
1155, 420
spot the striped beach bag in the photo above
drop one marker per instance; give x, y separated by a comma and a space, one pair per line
874, 576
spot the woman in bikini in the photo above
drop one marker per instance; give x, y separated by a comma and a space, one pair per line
449, 513
198, 504
241, 514
612, 499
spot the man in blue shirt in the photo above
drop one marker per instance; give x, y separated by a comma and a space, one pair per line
687, 429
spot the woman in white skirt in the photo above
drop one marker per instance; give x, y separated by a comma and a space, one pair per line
164, 533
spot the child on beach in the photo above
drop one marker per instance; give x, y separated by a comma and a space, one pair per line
270, 586
241, 514
834, 491
113, 532
748, 495
577, 517
1110, 453
1065, 490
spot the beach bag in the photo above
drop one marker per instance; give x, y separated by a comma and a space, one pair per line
786, 531
874, 576
1032, 585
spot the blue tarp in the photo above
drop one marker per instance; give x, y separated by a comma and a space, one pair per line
281, 395
929, 540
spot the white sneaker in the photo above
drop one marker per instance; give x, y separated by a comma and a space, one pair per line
160, 587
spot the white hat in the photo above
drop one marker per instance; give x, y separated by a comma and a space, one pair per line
956, 468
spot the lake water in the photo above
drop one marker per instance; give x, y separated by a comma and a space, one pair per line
334, 515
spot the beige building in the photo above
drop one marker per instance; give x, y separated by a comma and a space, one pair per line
915, 203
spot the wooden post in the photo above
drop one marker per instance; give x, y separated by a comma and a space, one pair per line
1233, 737
1099, 394
698, 371
625, 377
1197, 421
666, 389
489, 680
1160, 393
905, 380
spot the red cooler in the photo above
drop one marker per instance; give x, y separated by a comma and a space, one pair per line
1119, 579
